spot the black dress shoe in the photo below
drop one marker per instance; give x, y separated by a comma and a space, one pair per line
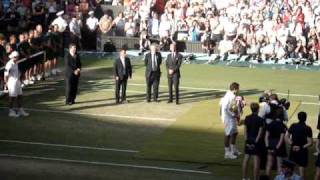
177, 103
148, 100
170, 101
69, 103
124, 101
156, 100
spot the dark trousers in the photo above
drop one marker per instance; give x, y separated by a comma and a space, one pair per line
71, 88
173, 81
121, 84
153, 81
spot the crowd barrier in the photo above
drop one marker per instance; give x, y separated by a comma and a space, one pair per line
112, 10
132, 43
41, 53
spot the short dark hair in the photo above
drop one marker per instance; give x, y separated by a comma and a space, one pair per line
234, 86
302, 116
123, 48
254, 107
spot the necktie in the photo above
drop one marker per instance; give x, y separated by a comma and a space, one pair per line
154, 63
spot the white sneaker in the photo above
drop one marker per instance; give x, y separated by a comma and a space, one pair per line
21, 112
31, 82
32, 78
12, 113
22, 85
230, 156
25, 82
46, 74
58, 70
237, 152
38, 77
315, 153
54, 72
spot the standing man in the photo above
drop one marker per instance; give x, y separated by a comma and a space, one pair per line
228, 116
173, 64
122, 69
12, 80
153, 62
72, 74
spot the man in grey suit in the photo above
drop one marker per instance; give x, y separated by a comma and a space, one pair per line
153, 62
122, 70
173, 63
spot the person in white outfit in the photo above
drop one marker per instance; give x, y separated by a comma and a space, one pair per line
12, 81
228, 117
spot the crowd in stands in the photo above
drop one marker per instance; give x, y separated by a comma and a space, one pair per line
259, 29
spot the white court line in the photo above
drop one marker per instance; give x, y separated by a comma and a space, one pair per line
95, 114
107, 164
68, 146
213, 89
310, 103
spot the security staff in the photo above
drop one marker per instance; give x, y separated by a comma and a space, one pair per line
173, 63
122, 69
92, 24
72, 74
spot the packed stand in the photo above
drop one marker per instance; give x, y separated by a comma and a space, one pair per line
258, 30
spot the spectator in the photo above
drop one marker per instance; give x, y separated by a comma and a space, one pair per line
105, 24
119, 23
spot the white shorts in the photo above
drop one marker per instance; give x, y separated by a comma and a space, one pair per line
14, 88
230, 127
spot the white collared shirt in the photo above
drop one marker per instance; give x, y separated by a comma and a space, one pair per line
92, 23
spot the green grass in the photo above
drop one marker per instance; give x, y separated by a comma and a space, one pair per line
193, 141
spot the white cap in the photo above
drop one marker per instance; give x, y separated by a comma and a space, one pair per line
14, 54
91, 13
60, 13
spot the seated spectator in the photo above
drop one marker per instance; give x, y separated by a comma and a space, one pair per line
165, 42
144, 42
130, 27
194, 31
119, 23
225, 47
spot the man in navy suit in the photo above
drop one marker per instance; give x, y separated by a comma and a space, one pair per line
173, 63
153, 62
122, 70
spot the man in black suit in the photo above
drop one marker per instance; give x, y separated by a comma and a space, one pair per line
173, 63
122, 69
153, 62
72, 74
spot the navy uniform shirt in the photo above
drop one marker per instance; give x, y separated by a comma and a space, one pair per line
253, 122
299, 133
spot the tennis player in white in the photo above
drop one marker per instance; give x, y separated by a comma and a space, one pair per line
12, 80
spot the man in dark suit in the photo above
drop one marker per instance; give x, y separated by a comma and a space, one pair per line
72, 74
173, 63
153, 62
122, 69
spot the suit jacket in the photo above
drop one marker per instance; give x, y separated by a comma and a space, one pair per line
174, 64
71, 64
120, 71
148, 64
